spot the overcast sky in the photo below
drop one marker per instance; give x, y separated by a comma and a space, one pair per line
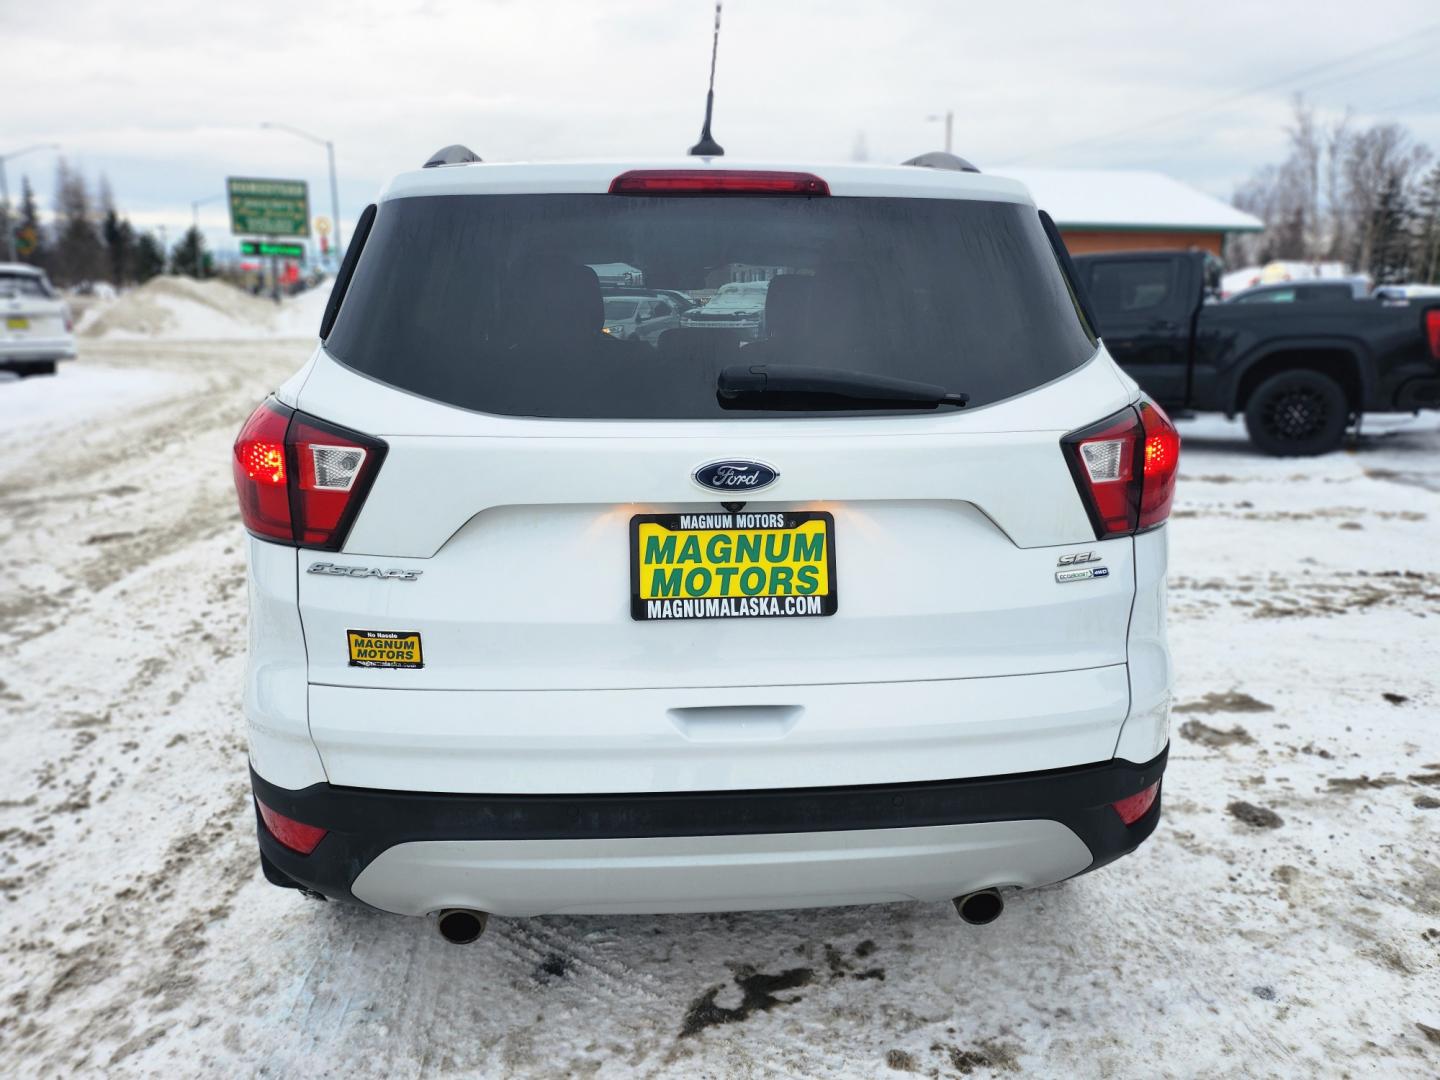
166, 96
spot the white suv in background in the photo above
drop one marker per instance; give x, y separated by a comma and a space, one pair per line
35, 325
869, 608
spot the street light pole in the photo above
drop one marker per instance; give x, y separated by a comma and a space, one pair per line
5, 193
195, 205
334, 186
334, 199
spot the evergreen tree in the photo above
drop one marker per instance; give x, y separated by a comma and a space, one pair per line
116, 234
1390, 249
149, 258
190, 257
1427, 233
119, 239
30, 237
79, 254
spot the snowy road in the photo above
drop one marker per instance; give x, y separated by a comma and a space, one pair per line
1284, 920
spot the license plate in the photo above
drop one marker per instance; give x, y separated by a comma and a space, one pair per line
14, 322
724, 565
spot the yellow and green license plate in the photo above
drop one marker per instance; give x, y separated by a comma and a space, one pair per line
15, 322
732, 565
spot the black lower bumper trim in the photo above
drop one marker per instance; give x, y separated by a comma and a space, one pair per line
362, 823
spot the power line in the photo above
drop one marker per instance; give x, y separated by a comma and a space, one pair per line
1408, 37
1403, 105
1425, 51
1169, 138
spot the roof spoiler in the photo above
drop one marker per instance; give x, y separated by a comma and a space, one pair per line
939, 159
454, 154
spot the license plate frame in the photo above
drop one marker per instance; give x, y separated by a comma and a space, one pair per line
765, 604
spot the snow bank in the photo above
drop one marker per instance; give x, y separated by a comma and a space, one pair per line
181, 308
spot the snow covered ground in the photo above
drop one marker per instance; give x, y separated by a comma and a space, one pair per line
1284, 920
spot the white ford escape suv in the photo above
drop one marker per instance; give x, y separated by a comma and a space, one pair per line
35, 324
868, 606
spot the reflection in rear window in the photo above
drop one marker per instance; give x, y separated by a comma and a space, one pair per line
493, 302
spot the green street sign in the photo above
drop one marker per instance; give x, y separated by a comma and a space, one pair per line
268, 207
264, 247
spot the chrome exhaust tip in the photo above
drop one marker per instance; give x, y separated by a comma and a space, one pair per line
979, 908
461, 926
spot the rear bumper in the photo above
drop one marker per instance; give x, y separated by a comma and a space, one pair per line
695, 851
16, 352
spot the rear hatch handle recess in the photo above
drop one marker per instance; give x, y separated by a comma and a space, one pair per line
834, 388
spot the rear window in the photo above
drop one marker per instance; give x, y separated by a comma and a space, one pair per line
494, 303
1119, 288
23, 285
621, 309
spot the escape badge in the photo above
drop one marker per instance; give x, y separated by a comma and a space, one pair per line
385, 648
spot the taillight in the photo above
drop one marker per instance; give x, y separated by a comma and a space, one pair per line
1432, 331
295, 835
301, 480
1138, 805
717, 182
260, 472
1161, 464
1125, 467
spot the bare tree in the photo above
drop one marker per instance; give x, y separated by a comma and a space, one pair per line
1302, 178
1341, 193
1381, 165
1336, 147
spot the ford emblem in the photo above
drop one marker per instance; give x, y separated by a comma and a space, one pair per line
737, 475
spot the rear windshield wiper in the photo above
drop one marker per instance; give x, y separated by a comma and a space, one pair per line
800, 386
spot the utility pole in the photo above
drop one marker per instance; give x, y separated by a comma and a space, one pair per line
334, 185
949, 118
5, 194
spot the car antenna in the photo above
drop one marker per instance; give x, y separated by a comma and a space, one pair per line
707, 146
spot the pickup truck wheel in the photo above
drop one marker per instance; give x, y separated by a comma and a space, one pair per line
1297, 414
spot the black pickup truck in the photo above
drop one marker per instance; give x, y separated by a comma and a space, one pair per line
1300, 373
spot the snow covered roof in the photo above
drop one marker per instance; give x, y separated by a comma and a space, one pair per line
1122, 199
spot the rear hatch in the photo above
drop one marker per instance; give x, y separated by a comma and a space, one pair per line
543, 486
29, 313
943, 533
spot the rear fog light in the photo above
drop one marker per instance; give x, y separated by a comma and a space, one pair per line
1138, 805
295, 835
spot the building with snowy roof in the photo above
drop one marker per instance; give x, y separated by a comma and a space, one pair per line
1101, 210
